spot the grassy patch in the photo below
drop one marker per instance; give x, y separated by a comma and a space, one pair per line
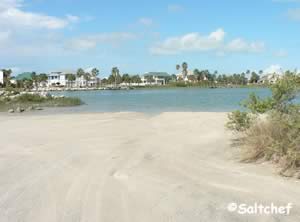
64, 102
275, 139
35, 100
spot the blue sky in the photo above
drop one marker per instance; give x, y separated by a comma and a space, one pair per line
140, 36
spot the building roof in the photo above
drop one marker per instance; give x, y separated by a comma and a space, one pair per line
24, 75
160, 74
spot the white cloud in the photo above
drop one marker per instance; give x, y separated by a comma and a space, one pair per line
281, 53
240, 45
195, 42
82, 44
145, 21
175, 8
72, 18
91, 41
189, 42
273, 69
12, 15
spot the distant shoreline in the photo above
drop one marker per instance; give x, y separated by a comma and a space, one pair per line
149, 87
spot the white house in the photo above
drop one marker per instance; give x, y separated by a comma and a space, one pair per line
82, 82
190, 73
1, 77
154, 78
60, 79
57, 79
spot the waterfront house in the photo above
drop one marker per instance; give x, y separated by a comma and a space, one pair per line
155, 78
269, 78
57, 79
82, 82
190, 76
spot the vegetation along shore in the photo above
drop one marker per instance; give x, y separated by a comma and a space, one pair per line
81, 79
15, 101
270, 129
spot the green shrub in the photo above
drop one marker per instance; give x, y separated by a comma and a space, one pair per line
257, 105
276, 137
239, 121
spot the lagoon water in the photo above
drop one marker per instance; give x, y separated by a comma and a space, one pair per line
162, 100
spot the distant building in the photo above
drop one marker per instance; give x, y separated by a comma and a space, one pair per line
179, 76
1, 77
269, 78
82, 82
60, 79
57, 79
154, 78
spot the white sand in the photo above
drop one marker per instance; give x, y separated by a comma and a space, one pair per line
130, 167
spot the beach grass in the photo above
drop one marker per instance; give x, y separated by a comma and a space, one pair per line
26, 101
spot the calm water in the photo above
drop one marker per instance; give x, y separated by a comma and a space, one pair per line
162, 100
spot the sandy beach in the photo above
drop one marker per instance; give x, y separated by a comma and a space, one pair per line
131, 167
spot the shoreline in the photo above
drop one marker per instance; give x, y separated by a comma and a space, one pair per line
52, 111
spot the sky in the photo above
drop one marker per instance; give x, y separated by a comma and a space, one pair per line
142, 36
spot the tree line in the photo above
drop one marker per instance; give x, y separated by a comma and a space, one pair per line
214, 77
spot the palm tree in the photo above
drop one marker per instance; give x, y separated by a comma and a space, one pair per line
136, 79
6, 76
260, 72
70, 78
177, 67
115, 73
80, 73
126, 78
35, 79
184, 70
95, 73
87, 78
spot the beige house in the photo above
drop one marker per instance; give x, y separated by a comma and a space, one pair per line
154, 78
190, 73
270, 78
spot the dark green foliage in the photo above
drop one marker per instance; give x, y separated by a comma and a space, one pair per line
254, 78
257, 105
239, 121
27, 100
